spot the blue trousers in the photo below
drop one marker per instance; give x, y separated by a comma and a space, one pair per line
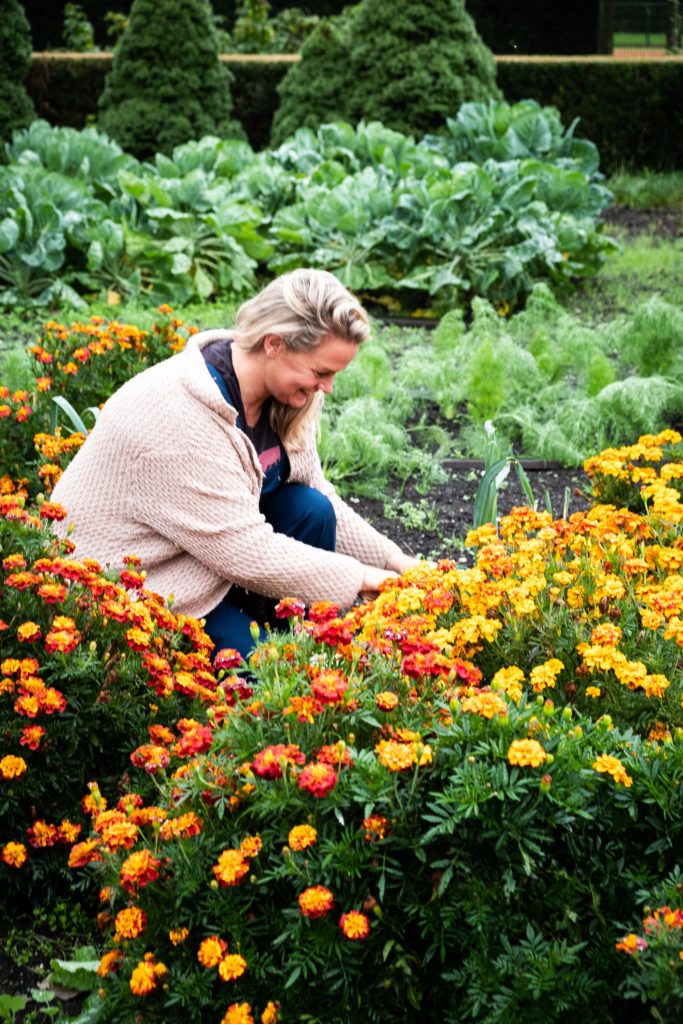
297, 511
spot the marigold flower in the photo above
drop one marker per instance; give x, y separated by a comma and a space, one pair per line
138, 870
68, 831
335, 754
316, 901
12, 767
231, 868
329, 686
376, 827
183, 827
14, 854
178, 935
301, 837
151, 757
146, 976
238, 1013
130, 923
267, 764
232, 967
487, 704
251, 846
355, 925
614, 767
397, 755
29, 632
289, 607
110, 962
211, 951
52, 511
270, 1014
84, 853
386, 700
631, 944
526, 753
226, 659
41, 834
318, 779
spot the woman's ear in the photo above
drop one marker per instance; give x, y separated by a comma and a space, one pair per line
273, 345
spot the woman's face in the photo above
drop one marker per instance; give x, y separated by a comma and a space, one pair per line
292, 377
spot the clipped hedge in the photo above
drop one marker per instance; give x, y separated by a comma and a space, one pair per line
630, 108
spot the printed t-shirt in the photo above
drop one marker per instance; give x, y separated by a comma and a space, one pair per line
271, 454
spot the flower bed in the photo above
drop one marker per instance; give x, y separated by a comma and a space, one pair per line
456, 802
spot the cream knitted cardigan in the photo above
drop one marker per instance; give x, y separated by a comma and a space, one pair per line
166, 475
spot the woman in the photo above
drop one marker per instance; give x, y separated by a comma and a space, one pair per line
205, 467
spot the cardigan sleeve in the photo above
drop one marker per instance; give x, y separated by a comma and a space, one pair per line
206, 506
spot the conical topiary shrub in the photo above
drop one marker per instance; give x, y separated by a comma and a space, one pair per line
16, 107
410, 64
167, 84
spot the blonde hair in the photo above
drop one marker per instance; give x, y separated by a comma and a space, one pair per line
303, 307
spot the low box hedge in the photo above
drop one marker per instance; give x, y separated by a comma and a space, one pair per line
630, 108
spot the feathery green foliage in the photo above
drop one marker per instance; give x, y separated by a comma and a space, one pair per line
166, 84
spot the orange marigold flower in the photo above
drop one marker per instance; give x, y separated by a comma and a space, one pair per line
151, 757
232, 967
146, 976
52, 593
316, 901
335, 753
397, 755
130, 923
68, 831
329, 686
631, 944
487, 704
376, 827
52, 511
12, 767
62, 640
178, 935
14, 854
138, 870
13, 562
251, 846
301, 837
526, 752
386, 700
183, 827
211, 951
120, 835
231, 868
355, 925
318, 779
614, 767
238, 1013
109, 962
84, 853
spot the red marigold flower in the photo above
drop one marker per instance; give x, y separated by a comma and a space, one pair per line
323, 611
329, 686
138, 639
211, 951
231, 868
84, 853
335, 754
130, 923
42, 834
14, 562
318, 779
355, 925
196, 738
151, 757
333, 632
226, 659
52, 511
138, 870
316, 901
12, 767
289, 607
52, 593
267, 764
232, 967
301, 837
14, 854
62, 640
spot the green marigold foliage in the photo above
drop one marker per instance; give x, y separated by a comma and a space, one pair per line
16, 108
166, 84
410, 65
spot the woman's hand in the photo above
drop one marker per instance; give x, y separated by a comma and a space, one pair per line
372, 580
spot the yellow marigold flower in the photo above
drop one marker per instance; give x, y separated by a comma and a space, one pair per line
270, 1014
543, 677
301, 837
29, 631
487, 705
232, 967
12, 767
14, 854
211, 951
593, 691
386, 700
509, 680
178, 935
146, 975
614, 767
251, 846
396, 755
238, 1013
526, 753
655, 685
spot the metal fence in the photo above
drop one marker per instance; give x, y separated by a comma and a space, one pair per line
652, 25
